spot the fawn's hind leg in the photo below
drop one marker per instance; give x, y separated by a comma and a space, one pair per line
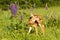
36, 28
42, 28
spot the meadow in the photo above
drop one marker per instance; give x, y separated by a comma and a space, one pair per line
13, 28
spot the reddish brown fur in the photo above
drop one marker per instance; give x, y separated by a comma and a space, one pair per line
39, 20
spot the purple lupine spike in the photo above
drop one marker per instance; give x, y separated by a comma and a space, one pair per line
47, 17
21, 16
46, 6
13, 8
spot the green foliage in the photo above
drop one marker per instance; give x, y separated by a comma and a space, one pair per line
22, 3
11, 28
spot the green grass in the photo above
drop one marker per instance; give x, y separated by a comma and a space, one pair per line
13, 29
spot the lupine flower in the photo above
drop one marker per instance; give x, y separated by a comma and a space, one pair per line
46, 6
47, 17
13, 8
21, 16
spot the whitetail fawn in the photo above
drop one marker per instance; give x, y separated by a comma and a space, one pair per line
34, 21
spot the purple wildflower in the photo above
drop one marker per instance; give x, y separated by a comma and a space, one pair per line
46, 6
21, 16
13, 8
47, 17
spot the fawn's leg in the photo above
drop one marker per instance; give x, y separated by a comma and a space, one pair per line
36, 28
42, 28
30, 28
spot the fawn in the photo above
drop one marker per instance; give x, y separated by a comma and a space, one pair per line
35, 21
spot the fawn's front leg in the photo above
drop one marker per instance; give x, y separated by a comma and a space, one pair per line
30, 28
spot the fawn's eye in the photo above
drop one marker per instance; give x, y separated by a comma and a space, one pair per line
30, 17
